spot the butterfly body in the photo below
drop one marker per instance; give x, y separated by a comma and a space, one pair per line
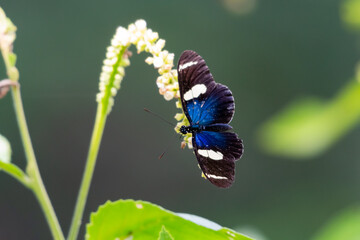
209, 107
217, 127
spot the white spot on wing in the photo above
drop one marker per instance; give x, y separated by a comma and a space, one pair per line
211, 154
215, 155
186, 65
203, 153
214, 176
195, 92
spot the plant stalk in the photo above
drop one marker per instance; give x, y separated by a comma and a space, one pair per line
100, 120
36, 184
89, 170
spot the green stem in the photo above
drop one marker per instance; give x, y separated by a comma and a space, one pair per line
16, 173
89, 170
32, 179
100, 120
32, 169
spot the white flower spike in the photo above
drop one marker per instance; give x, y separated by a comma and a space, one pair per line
117, 58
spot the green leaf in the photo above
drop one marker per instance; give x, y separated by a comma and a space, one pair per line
345, 225
5, 150
350, 13
142, 220
7, 166
164, 234
310, 126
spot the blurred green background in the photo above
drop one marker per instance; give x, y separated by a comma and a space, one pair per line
269, 53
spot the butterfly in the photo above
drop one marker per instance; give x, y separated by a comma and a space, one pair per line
209, 107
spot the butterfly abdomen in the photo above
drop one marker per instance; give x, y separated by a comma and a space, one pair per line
217, 127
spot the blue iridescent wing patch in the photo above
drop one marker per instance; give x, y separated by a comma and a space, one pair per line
215, 107
209, 107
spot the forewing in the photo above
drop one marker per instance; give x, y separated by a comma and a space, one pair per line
216, 153
204, 101
217, 107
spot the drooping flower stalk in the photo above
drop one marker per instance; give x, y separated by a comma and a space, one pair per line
113, 71
145, 40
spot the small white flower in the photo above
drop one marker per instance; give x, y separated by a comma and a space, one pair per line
122, 36
107, 69
153, 49
132, 28
179, 116
125, 62
151, 36
104, 76
140, 24
170, 58
174, 73
160, 85
118, 76
149, 60
140, 45
163, 54
133, 38
156, 49
121, 72
167, 67
169, 95
163, 79
102, 86
113, 50
158, 62
110, 54
160, 80
178, 104
189, 143
138, 35
110, 62
160, 43
113, 91
162, 90
99, 96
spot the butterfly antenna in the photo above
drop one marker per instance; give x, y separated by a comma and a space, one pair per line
170, 123
161, 155
166, 149
158, 116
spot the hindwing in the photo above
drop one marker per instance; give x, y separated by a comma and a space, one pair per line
216, 153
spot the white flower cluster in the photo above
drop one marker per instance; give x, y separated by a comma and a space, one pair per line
117, 58
145, 40
7, 32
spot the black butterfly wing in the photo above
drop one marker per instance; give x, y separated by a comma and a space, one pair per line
216, 153
203, 100
206, 102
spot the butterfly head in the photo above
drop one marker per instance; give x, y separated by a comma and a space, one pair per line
184, 129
